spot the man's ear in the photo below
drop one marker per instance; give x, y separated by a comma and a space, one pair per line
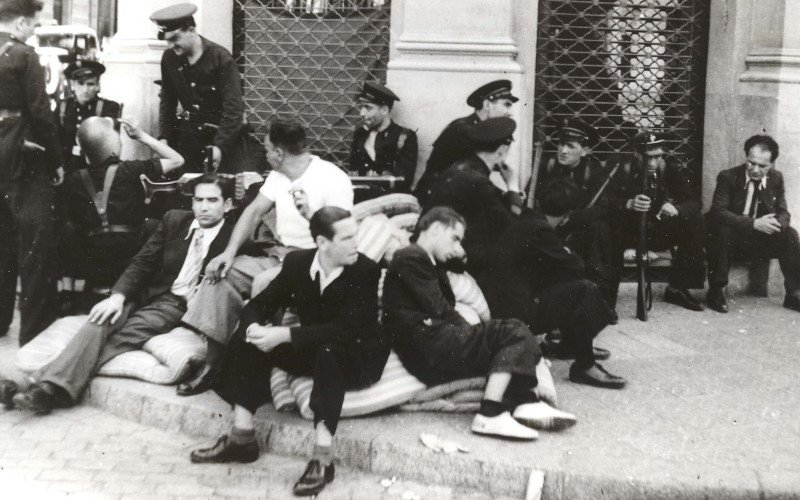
228, 205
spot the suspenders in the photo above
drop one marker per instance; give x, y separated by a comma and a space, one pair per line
101, 203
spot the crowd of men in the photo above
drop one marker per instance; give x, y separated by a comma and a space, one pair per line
550, 266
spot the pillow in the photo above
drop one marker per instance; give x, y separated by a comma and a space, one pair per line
282, 397
405, 221
469, 293
389, 205
48, 344
375, 234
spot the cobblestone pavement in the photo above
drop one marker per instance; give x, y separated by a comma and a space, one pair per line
86, 454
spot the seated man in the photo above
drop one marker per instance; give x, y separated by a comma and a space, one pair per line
587, 232
149, 299
673, 208
533, 276
105, 208
749, 218
299, 185
437, 345
492, 100
334, 290
381, 146
467, 189
84, 81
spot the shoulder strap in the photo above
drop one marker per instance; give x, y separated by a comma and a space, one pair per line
6, 47
98, 110
100, 199
401, 140
62, 110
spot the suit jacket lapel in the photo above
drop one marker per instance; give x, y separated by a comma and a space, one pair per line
219, 243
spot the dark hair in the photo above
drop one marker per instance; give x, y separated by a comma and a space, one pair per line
12, 9
288, 135
559, 197
321, 223
226, 185
443, 215
763, 141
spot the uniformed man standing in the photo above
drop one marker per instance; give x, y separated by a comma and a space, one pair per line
492, 100
84, 81
380, 145
30, 163
202, 76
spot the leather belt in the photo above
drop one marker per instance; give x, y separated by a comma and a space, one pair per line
113, 228
198, 117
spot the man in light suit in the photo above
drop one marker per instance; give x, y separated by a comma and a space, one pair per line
149, 299
749, 218
334, 290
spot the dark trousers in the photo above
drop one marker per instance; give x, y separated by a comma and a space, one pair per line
578, 310
687, 233
247, 370
592, 240
447, 352
724, 242
95, 345
28, 250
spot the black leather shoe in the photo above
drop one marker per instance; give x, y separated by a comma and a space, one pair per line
204, 379
313, 479
792, 302
596, 376
226, 451
682, 297
8, 389
36, 400
715, 298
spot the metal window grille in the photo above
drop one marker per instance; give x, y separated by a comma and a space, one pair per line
624, 66
306, 59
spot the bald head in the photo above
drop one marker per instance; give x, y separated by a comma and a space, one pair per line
98, 139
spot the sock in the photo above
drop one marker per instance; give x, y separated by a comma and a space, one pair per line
242, 436
214, 352
491, 408
323, 453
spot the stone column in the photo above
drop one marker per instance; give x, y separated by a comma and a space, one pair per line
441, 51
134, 55
753, 86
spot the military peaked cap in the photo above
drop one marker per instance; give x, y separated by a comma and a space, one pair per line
498, 89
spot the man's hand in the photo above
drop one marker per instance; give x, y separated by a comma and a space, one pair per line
301, 202
58, 178
668, 210
217, 269
767, 224
268, 337
641, 203
109, 308
131, 128
510, 176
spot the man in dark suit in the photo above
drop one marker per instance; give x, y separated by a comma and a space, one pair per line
492, 100
749, 218
381, 146
334, 290
437, 345
466, 188
533, 276
673, 208
149, 299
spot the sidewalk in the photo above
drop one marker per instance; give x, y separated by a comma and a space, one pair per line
711, 412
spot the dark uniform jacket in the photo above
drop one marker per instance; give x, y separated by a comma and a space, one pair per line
451, 146
22, 88
155, 268
69, 115
395, 153
730, 197
527, 259
210, 88
346, 313
467, 189
589, 175
106, 256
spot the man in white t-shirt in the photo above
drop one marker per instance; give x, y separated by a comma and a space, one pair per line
299, 185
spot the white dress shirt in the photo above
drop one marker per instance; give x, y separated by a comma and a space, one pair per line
186, 281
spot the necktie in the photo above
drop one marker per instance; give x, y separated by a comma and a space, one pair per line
751, 208
369, 144
194, 259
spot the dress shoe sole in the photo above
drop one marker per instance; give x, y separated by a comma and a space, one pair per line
23, 402
300, 492
723, 310
597, 383
223, 460
685, 305
548, 424
486, 432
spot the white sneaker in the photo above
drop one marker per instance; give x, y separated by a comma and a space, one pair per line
544, 417
502, 425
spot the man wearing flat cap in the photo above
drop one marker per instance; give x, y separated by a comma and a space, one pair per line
466, 187
673, 207
84, 82
492, 100
587, 233
381, 146
202, 77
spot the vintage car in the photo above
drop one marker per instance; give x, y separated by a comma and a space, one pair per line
56, 44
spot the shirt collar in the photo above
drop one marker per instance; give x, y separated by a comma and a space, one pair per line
209, 230
324, 278
763, 182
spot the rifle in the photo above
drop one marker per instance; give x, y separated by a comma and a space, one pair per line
185, 185
537, 160
368, 181
644, 294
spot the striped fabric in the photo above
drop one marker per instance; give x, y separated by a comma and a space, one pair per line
282, 396
374, 236
467, 291
405, 221
389, 205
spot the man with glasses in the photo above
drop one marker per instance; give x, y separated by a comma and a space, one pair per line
749, 218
